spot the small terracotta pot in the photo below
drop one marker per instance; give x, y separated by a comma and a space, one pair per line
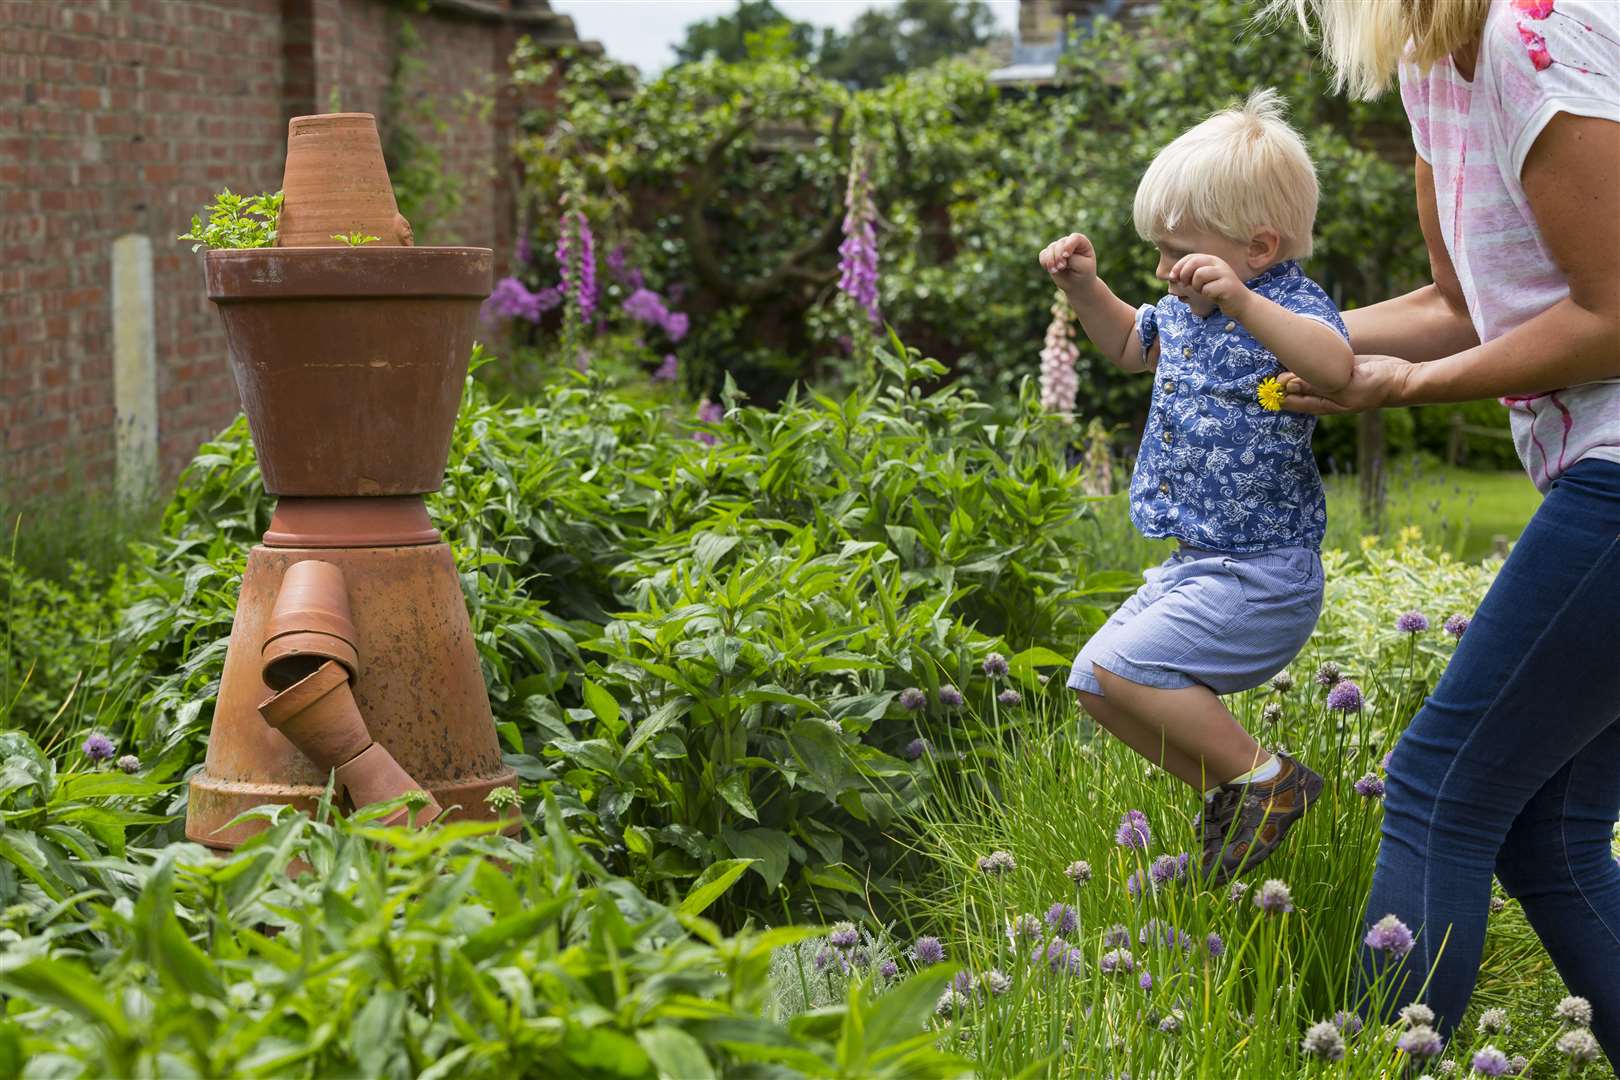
309, 624
336, 182
374, 776
319, 716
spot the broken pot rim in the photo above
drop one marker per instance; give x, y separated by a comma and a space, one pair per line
280, 707
297, 273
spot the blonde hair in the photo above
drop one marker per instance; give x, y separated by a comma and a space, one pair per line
1242, 170
1365, 41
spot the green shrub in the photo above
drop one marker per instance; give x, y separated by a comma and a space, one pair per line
54, 649
425, 954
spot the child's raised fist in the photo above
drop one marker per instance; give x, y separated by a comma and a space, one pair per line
1071, 261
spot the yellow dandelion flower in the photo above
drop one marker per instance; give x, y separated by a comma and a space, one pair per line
1271, 395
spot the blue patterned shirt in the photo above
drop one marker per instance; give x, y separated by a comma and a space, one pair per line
1216, 470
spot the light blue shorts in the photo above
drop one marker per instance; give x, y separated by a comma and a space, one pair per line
1228, 622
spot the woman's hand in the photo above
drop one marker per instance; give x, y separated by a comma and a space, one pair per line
1376, 382
1071, 261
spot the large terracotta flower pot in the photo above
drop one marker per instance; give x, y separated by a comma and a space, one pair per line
350, 361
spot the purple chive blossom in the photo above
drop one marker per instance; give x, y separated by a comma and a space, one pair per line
844, 936
98, 747
668, 370
824, 957
1146, 981
1328, 674
950, 696
912, 699
1457, 625
1078, 871
1574, 1010
964, 983
1023, 928
1116, 937
1493, 1021
578, 267
997, 981
1390, 935
1214, 945
1416, 1014
1236, 893
1169, 868
1135, 884
1116, 961
1413, 622
916, 748
1323, 1041
1579, 1046
858, 254
1345, 696
1370, 787
1491, 1062
1347, 1022
129, 763
1133, 831
1010, 697
1271, 713
1273, 898
1061, 918
888, 969
997, 862
1283, 681
995, 665
1171, 1023
928, 950
1421, 1041
708, 412
1499, 905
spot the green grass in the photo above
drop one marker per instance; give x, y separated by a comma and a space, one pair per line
1460, 511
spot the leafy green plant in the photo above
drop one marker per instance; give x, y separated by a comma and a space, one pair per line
448, 952
236, 221
354, 238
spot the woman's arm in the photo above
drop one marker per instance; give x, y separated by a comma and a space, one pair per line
1430, 322
1572, 180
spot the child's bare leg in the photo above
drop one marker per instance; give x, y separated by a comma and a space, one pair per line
1212, 745
1151, 743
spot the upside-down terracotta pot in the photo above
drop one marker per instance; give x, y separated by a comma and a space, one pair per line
336, 183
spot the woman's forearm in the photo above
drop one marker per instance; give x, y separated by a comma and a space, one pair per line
1420, 326
1566, 345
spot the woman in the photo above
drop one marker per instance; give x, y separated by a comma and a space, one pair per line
1513, 765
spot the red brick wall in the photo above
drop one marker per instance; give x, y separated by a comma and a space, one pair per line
125, 116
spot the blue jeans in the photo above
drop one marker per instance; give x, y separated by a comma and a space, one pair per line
1512, 766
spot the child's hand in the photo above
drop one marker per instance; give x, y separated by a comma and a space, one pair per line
1212, 279
1071, 261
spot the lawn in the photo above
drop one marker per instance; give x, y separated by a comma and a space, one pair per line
1459, 510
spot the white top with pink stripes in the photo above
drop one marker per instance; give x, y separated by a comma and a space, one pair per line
1538, 58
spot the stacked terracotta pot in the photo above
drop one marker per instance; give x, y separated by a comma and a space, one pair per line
351, 656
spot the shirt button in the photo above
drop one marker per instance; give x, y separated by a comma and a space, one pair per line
1166, 437
1230, 326
1169, 386
1164, 487
1186, 350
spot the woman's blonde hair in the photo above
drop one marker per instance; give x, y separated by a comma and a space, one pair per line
1365, 41
1242, 170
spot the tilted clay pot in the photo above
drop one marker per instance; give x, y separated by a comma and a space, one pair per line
350, 361
374, 776
309, 625
318, 715
336, 183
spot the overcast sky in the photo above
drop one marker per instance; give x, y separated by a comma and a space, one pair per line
645, 32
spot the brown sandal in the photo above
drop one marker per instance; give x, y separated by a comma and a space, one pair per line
1244, 823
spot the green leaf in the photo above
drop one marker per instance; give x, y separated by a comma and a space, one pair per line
712, 884
768, 847
68, 986
675, 1054
604, 705
734, 789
